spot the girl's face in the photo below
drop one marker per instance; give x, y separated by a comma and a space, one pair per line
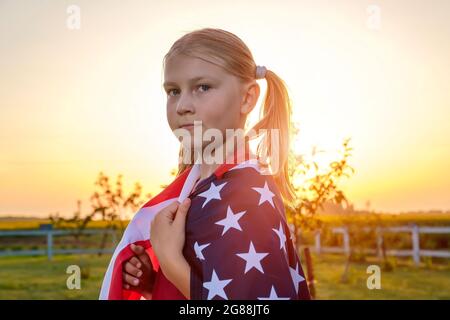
199, 90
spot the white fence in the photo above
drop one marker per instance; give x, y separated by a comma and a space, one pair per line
49, 234
415, 252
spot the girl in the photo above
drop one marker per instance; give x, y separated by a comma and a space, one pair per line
219, 230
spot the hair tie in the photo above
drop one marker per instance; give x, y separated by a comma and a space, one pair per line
260, 72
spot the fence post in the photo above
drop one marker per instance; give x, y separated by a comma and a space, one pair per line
416, 244
114, 237
317, 242
346, 242
49, 245
310, 273
48, 227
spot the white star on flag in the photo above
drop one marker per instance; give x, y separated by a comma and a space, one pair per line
215, 286
198, 250
231, 220
212, 193
266, 194
252, 259
281, 235
273, 296
296, 277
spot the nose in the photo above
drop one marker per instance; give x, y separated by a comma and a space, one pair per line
185, 104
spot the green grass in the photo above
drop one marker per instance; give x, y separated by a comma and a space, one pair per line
404, 282
36, 278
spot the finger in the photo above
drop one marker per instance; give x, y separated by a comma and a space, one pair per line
131, 269
130, 280
141, 253
180, 218
135, 262
170, 211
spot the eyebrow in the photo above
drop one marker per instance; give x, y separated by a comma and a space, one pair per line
169, 83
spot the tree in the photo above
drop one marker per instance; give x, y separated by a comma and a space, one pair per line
107, 205
313, 188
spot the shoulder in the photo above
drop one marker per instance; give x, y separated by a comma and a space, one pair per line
245, 188
251, 187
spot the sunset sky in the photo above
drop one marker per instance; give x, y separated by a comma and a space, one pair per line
76, 102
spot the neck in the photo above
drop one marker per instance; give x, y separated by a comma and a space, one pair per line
207, 169
226, 153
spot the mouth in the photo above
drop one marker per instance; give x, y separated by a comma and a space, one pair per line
187, 126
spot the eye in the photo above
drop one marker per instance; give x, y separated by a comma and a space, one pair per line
170, 90
205, 87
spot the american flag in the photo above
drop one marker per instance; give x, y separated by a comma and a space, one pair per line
238, 242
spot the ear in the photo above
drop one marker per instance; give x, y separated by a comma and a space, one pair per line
250, 97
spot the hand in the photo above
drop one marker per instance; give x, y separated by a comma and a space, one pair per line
167, 234
138, 273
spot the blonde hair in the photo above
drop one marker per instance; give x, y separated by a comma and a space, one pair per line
228, 51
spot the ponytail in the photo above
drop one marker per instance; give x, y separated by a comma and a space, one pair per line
276, 114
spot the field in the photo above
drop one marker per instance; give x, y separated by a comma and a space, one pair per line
36, 278
428, 219
33, 223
